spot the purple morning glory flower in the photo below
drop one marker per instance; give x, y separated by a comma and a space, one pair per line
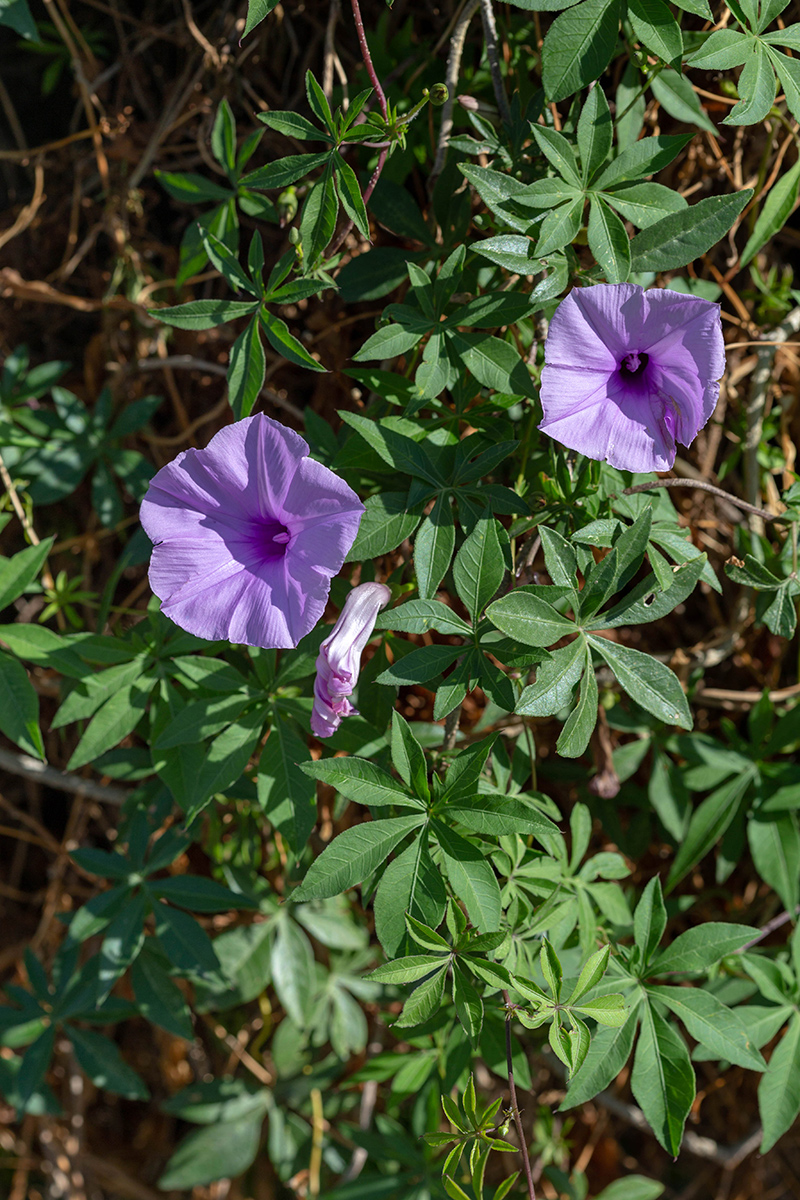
628, 373
339, 658
248, 534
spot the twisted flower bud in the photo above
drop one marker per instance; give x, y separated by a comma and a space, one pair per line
339, 659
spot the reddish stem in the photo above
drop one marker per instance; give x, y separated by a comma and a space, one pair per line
367, 57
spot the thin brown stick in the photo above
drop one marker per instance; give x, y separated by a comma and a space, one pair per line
523, 1144
702, 486
367, 57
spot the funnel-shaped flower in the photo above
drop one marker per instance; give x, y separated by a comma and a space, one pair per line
339, 658
628, 373
248, 533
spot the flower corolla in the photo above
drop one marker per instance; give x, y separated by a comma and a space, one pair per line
247, 535
628, 373
339, 658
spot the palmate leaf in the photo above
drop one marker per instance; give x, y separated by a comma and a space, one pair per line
662, 1079
578, 47
353, 854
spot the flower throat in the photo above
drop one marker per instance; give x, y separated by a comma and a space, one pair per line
633, 364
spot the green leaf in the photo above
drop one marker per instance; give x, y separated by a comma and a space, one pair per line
555, 681
675, 94
284, 171
471, 877
649, 921
158, 998
19, 707
223, 138
644, 203
244, 955
221, 1151
655, 26
418, 616
683, 236
708, 824
756, 87
606, 1010
412, 885
647, 602
468, 1004
408, 757
34, 1065
561, 225
494, 363
123, 940
203, 314
494, 813
284, 792
199, 894
595, 133
257, 10
632, 1187
479, 567
711, 1023
557, 150
423, 1002
578, 47
350, 195
285, 344
645, 157
700, 948
386, 523
779, 1089
409, 969
592, 972
420, 666
579, 726
114, 720
292, 965
777, 207
721, 50
186, 944
433, 547
529, 619
18, 572
647, 681
361, 781
318, 221
293, 125
608, 1053
775, 846
100, 1059
511, 251
662, 1079
353, 855
609, 241
246, 369
17, 15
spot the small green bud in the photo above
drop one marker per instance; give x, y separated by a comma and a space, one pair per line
438, 94
287, 206
294, 236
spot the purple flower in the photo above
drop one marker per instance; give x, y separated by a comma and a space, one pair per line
628, 373
339, 658
248, 533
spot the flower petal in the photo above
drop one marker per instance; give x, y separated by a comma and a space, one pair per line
595, 327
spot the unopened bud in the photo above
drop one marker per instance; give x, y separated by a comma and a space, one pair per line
294, 236
287, 206
438, 94
469, 102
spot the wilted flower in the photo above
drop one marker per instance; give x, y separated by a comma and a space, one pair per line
248, 533
339, 658
628, 373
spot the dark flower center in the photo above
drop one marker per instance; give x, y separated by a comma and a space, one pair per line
271, 539
633, 364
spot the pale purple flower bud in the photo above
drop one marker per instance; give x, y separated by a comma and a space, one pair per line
339, 658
